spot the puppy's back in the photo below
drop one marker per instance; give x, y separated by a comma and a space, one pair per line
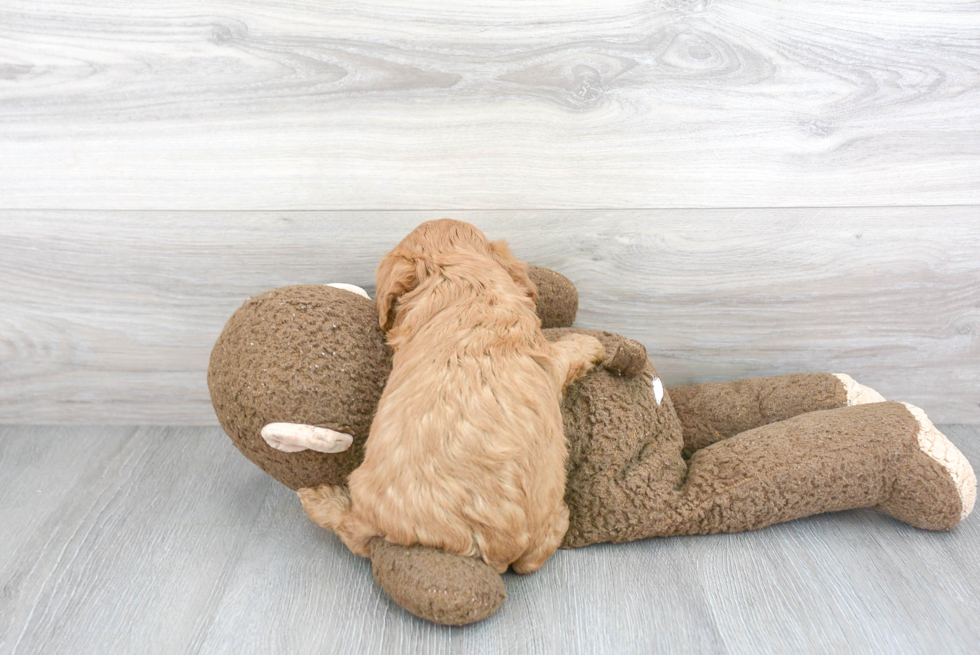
466, 452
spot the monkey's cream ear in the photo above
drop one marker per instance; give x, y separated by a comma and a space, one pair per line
295, 437
353, 288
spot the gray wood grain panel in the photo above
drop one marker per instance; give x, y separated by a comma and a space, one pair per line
39, 467
167, 540
627, 103
851, 581
132, 555
109, 317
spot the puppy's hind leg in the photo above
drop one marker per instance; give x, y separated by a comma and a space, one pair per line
546, 543
330, 507
575, 355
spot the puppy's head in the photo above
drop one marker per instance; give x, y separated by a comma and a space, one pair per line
421, 254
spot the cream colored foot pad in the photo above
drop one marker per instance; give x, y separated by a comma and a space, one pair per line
858, 394
935, 444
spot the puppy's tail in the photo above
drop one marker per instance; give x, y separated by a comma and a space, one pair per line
328, 505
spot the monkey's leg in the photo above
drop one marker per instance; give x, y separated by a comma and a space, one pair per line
884, 455
714, 411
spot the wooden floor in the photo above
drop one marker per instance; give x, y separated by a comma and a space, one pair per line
166, 540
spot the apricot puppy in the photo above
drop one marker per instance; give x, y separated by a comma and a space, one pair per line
466, 452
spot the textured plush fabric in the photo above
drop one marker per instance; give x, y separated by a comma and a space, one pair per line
435, 585
303, 354
557, 301
714, 411
823, 461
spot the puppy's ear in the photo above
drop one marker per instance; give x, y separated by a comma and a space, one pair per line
517, 269
396, 275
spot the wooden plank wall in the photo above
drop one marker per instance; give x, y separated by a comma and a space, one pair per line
749, 188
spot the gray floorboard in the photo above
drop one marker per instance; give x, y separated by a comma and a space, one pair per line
123, 540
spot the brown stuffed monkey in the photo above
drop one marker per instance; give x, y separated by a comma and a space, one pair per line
297, 372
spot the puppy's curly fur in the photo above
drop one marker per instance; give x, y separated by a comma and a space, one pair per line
467, 451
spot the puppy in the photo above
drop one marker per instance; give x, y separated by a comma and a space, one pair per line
467, 451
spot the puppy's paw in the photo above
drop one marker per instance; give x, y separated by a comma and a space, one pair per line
580, 353
588, 350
